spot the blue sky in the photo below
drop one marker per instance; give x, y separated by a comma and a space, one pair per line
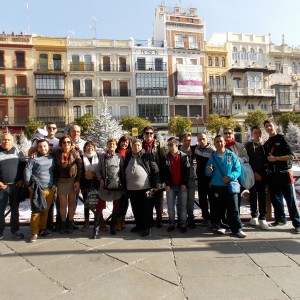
121, 19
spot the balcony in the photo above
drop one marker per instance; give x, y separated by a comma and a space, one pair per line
12, 121
3, 91
20, 91
151, 92
156, 119
115, 93
161, 66
81, 67
282, 107
221, 112
113, 68
246, 92
220, 89
57, 66
83, 94
148, 43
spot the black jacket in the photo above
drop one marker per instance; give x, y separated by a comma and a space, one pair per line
39, 203
257, 157
166, 170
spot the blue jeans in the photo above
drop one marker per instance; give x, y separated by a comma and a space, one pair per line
9, 193
176, 193
281, 186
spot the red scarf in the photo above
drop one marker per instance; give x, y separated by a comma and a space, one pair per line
122, 152
229, 144
147, 146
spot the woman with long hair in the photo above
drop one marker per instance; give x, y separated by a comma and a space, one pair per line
69, 169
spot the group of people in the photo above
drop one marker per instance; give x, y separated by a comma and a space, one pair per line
140, 170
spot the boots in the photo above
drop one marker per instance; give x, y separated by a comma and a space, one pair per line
123, 225
63, 227
102, 225
119, 224
113, 222
97, 222
70, 226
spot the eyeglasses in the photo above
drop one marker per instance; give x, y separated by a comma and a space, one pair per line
53, 128
227, 133
149, 133
66, 142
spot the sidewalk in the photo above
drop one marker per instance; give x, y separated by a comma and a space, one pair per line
195, 265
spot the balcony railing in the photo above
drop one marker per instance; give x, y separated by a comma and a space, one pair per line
3, 91
83, 94
253, 92
148, 43
113, 68
221, 112
57, 66
161, 66
220, 89
50, 92
282, 107
11, 121
155, 119
19, 64
151, 92
81, 67
115, 93
20, 91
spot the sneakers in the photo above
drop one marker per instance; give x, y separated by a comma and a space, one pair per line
18, 235
297, 230
171, 228
221, 230
33, 238
241, 234
254, 221
263, 224
278, 223
44, 233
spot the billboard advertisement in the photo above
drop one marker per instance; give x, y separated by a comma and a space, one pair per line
189, 80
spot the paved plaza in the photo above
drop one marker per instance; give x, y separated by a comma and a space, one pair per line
195, 265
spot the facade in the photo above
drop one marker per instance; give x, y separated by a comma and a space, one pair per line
249, 67
49, 79
16, 84
183, 32
218, 90
99, 68
150, 65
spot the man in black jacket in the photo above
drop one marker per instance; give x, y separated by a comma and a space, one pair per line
10, 180
175, 173
280, 179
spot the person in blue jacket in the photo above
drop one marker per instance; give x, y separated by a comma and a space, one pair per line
223, 166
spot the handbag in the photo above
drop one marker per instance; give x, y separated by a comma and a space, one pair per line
247, 179
92, 198
233, 186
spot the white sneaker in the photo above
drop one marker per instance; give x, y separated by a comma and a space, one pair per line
221, 230
241, 234
263, 224
254, 221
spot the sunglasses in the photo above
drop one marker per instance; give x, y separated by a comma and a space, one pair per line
66, 142
228, 133
149, 133
53, 128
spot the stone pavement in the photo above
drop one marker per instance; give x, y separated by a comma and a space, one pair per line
195, 265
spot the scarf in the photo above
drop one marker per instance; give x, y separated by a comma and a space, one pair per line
229, 144
122, 152
90, 166
147, 146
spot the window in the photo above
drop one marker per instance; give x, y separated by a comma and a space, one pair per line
244, 54
179, 61
195, 110
260, 56
122, 64
209, 61
181, 110
216, 61
250, 106
236, 83
158, 64
20, 60
223, 63
106, 63
192, 42
89, 109
88, 66
75, 62
278, 67
76, 111
141, 64
264, 106
211, 81
179, 41
252, 56
88, 87
153, 109
57, 62
49, 84
218, 82
193, 61
235, 54
237, 106
1, 59
258, 83
21, 85
124, 89
124, 111
224, 82
294, 68
251, 83
76, 87
106, 88
43, 62
2, 85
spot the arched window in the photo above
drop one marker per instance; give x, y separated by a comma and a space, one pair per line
216, 61
223, 63
260, 57
244, 54
257, 82
209, 61
77, 111
251, 82
252, 55
235, 54
89, 109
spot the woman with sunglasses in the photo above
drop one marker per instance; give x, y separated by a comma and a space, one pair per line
123, 147
69, 169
